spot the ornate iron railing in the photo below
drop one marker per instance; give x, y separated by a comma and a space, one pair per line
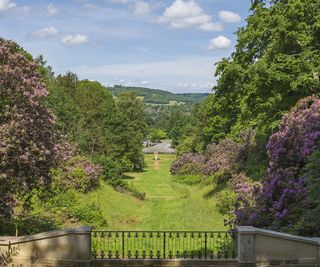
164, 244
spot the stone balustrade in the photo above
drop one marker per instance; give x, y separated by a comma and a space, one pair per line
259, 247
72, 247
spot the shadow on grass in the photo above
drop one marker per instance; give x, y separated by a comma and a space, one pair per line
217, 189
127, 177
140, 171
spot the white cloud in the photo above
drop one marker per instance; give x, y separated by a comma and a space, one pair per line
142, 8
229, 17
52, 10
6, 5
144, 82
188, 14
211, 27
180, 67
220, 42
120, 1
76, 39
163, 74
46, 32
206, 86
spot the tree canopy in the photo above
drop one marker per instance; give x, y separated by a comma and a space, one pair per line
29, 144
275, 63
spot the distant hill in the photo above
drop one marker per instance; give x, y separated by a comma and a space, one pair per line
155, 96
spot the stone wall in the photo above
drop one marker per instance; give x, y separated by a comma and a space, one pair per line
70, 247
259, 247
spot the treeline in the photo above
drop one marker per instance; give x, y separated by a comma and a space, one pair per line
100, 126
154, 96
172, 122
258, 133
60, 136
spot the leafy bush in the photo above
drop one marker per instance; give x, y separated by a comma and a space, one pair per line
220, 176
68, 206
227, 155
311, 220
77, 173
88, 212
187, 164
240, 198
283, 200
225, 205
188, 179
156, 135
110, 168
219, 162
247, 194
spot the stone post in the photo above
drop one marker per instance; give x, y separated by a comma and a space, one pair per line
246, 246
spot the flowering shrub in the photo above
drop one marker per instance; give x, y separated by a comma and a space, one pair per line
77, 173
29, 147
240, 199
247, 194
220, 161
224, 156
283, 199
187, 164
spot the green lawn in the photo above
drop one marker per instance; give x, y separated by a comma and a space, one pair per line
169, 205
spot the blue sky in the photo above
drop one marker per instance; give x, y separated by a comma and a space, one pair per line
165, 44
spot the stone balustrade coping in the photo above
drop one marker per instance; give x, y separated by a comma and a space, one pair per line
23, 239
254, 230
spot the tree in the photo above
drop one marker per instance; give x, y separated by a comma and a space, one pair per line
131, 128
180, 125
98, 108
29, 146
85, 113
276, 62
155, 135
70, 120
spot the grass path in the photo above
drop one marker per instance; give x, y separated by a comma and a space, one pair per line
169, 205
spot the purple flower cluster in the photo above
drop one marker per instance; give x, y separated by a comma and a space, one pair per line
283, 199
187, 164
28, 147
247, 193
224, 156
78, 173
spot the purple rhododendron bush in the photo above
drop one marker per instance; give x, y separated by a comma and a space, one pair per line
219, 160
29, 146
187, 164
284, 202
286, 198
224, 157
77, 173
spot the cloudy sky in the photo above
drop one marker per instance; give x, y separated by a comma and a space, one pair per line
166, 44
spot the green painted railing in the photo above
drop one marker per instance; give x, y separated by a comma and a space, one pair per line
164, 244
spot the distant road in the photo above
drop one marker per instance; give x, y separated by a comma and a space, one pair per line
164, 147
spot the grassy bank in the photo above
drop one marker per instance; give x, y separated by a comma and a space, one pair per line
169, 204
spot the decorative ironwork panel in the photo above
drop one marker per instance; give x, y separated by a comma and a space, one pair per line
164, 244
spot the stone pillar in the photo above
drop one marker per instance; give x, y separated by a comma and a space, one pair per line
246, 246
